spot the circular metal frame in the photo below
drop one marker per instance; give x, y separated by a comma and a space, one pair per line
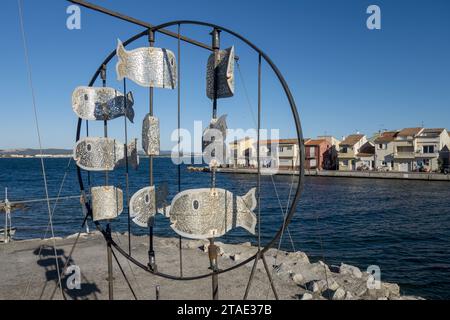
292, 104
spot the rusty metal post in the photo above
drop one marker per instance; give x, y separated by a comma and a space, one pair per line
212, 252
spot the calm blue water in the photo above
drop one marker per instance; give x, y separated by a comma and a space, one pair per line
402, 226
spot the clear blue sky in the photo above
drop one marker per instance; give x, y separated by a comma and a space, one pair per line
343, 76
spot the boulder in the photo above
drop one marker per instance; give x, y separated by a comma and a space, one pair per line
307, 296
339, 294
298, 279
350, 270
392, 288
349, 296
299, 257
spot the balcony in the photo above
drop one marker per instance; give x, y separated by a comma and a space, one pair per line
404, 155
346, 155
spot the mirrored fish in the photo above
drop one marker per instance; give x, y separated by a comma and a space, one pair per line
107, 202
150, 135
104, 154
209, 213
148, 66
102, 103
225, 80
144, 203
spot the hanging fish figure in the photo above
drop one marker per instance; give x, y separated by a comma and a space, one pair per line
225, 74
213, 140
144, 203
148, 66
102, 103
104, 154
209, 213
107, 202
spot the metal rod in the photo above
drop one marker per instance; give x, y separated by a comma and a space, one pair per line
151, 40
110, 266
124, 275
127, 165
179, 140
42, 200
151, 251
138, 22
212, 253
252, 274
105, 122
157, 290
269, 276
7, 212
258, 152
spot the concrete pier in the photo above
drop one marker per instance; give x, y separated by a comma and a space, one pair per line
341, 174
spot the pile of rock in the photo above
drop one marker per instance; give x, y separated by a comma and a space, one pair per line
317, 280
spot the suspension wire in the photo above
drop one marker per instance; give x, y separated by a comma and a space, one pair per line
30, 80
179, 140
258, 144
127, 165
117, 234
124, 275
48, 224
249, 105
284, 227
322, 250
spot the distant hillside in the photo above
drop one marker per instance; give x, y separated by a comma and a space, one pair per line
34, 152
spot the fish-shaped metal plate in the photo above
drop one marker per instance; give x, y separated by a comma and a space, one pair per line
225, 81
143, 206
107, 202
209, 213
104, 154
144, 203
102, 103
150, 135
148, 66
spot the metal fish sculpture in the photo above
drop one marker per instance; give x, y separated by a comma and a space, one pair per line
102, 103
144, 203
150, 135
107, 202
225, 81
208, 213
104, 154
148, 67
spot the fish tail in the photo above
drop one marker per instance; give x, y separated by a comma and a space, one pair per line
130, 110
121, 54
247, 218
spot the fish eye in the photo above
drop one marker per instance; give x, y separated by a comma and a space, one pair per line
195, 204
89, 147
147, 199
86, 97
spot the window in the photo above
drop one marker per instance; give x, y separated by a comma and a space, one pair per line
344, 150
345, 162
426, 162
312, 163
281, 149
312, 151
380, 146
428, 149
289, 148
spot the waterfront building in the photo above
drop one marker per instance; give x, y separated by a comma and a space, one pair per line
365, 158
431, 146
348, 151
384, 150
405, 145
320, 154
281, 153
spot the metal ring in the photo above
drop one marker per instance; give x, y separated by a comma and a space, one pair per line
292, 104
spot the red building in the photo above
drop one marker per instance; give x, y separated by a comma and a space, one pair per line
320, 154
